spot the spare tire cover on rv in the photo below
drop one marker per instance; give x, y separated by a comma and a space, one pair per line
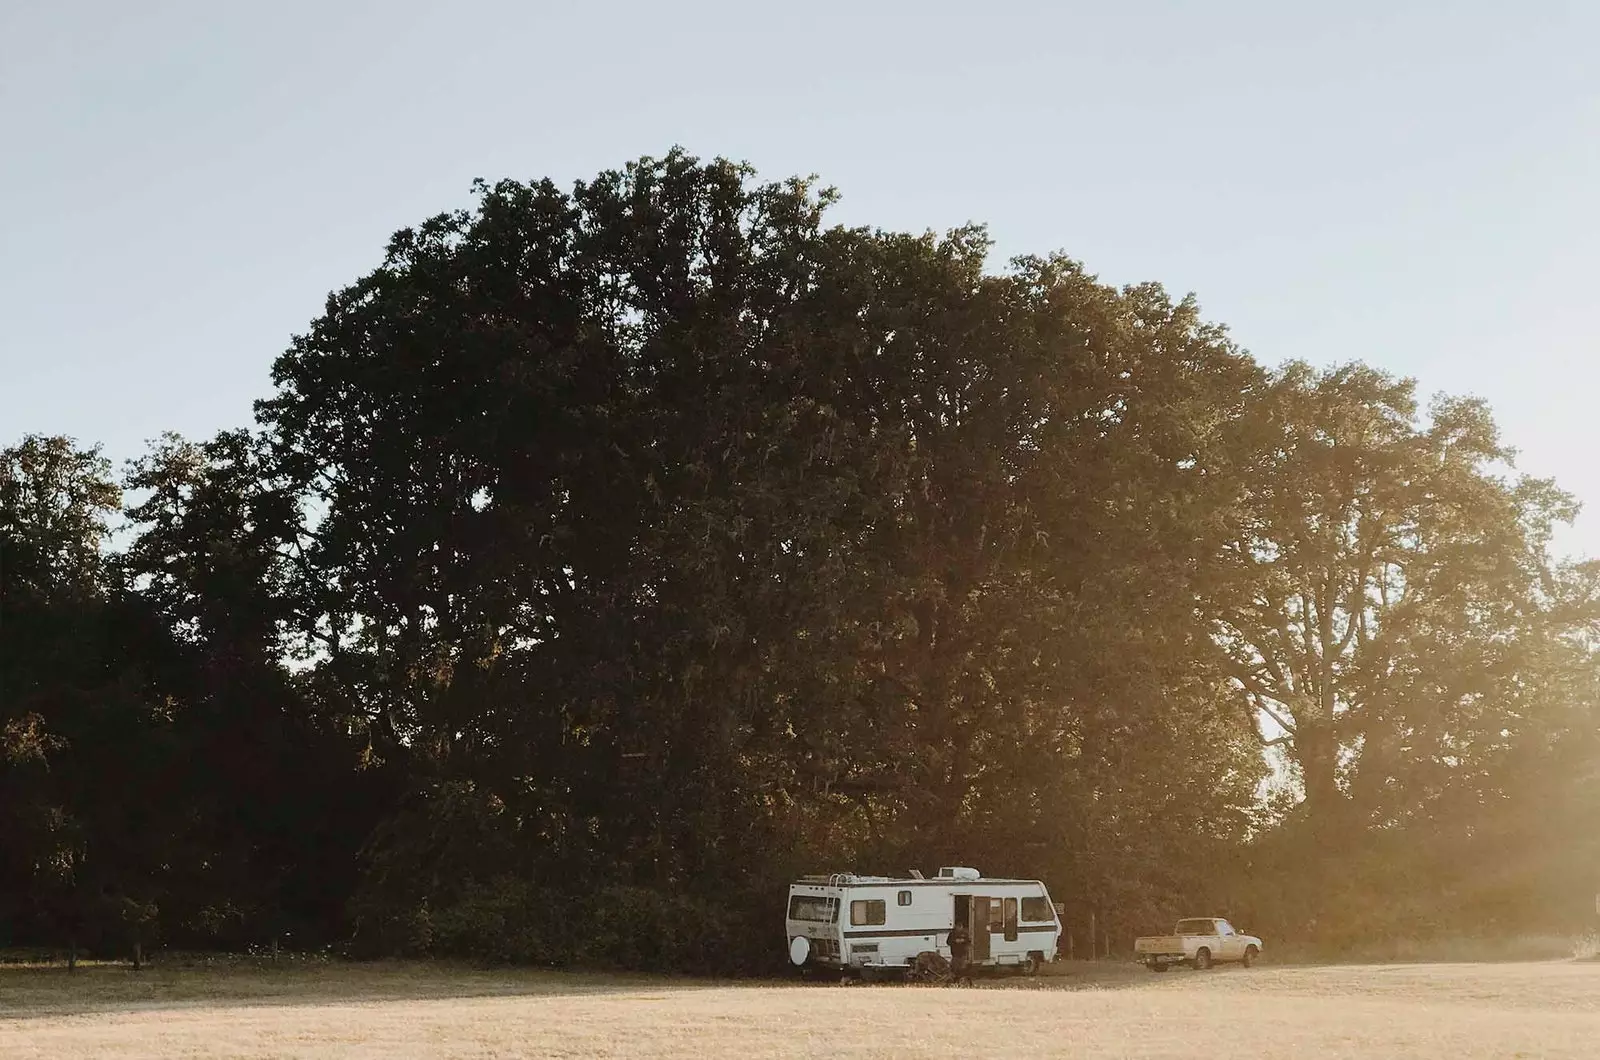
799, 949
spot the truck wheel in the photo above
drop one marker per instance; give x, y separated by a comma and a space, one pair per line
1156, 966
1250, 954
1202, 959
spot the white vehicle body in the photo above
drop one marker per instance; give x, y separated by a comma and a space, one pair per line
1198, 942
853, 923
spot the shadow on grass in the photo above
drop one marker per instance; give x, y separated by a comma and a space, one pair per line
176, 982
1064, 975
179, 982
33, 992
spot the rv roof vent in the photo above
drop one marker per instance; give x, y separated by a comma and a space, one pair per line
958, 872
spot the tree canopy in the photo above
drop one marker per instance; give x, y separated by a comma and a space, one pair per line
630, 548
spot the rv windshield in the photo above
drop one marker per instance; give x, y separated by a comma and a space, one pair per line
813, 907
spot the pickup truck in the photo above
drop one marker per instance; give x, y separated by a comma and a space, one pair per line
1198, 942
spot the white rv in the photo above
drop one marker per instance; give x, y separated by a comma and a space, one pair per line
867, 924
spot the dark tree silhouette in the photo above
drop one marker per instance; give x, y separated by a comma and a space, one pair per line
606, 556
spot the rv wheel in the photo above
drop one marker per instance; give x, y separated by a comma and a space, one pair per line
1032, 965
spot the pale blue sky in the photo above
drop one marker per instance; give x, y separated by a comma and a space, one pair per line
1412, 184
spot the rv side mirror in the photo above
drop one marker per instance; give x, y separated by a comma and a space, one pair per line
1061, 908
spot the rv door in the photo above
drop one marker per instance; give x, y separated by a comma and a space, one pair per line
979, 926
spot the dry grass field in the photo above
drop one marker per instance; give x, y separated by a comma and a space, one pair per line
1549, 1009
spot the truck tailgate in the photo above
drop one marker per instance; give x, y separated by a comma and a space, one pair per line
1159, 944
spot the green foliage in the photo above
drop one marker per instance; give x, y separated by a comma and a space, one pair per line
1395, 616
607, 556
510, 921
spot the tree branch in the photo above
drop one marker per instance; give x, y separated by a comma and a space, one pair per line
1251, 683
1282, 722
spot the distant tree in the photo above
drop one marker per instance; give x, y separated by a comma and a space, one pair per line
673, 534
1045, 494
159, 771
258, 760
607, 555
522, 431
1396, 590
56, 502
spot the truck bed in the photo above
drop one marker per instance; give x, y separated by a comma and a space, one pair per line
1159, 944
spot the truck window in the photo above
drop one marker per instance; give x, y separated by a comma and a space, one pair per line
813, 907
867, 911
1037, 910
1197, 927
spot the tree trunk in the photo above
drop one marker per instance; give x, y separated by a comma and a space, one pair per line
1317, 752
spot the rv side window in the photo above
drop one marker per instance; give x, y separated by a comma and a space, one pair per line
903, 898
813, 907
1011, 920
1035, 910
867, 911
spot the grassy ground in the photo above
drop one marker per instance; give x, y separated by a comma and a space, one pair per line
397, 1011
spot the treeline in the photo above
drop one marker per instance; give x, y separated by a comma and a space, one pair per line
607, 556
